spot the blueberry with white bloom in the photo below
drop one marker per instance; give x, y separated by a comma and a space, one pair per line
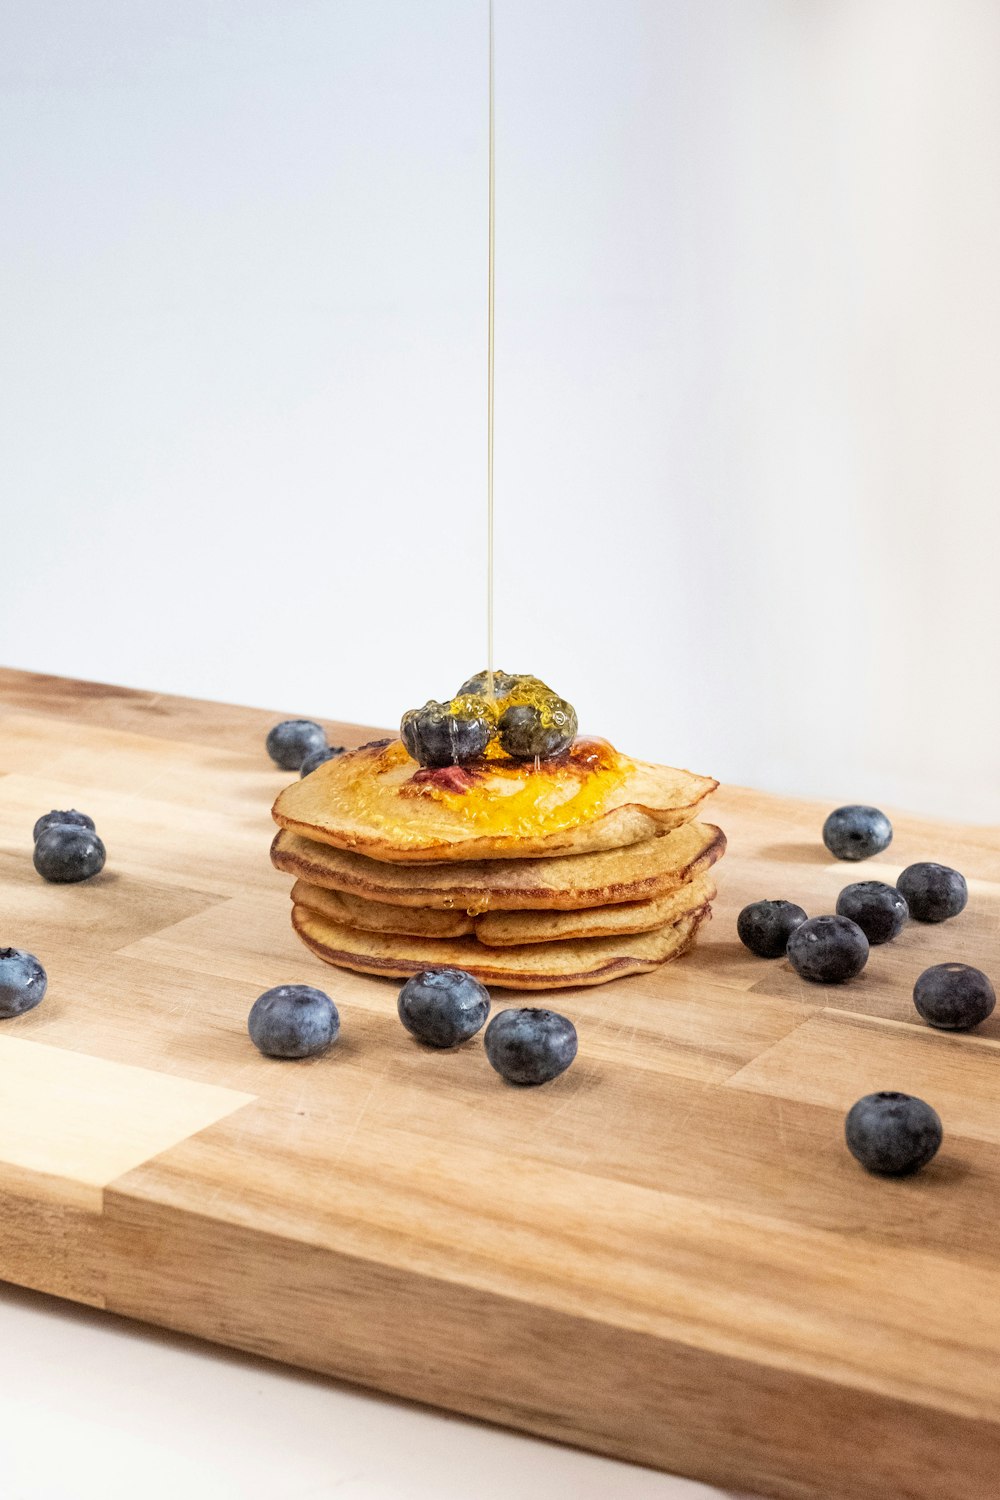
292, 740
857, 832
78, 819
954, 997
317, 757
293, 1020
892, 1134
879, 909
443, 1007
828, 950
23, 982
68, 852
530, 1045
765, 926
933, 892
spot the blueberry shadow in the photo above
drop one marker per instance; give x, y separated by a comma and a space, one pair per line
944, 1168
801, 853
335, 1052
733, 955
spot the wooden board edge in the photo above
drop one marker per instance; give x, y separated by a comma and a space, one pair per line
576, 1380
52, 1245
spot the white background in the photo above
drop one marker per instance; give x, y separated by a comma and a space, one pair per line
748, 381
748, 465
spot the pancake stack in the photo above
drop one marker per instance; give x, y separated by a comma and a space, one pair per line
528, 876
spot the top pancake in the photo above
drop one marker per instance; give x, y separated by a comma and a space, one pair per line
378, 802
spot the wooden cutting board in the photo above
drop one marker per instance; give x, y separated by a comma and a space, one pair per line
667, 1255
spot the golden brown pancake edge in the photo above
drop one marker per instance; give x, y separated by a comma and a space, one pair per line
538, 967
635, 872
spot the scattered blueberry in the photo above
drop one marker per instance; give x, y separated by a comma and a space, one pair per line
447, 734
65, 852
317, 757
78, 819
879, 909
293, 1020
528, 731
443, 1007
23, 982
765, 926
892, 1134
289, 742
828, 950
857, 832
954, 997
530, 1045
933, 892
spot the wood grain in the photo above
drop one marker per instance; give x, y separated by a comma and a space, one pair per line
667, 1255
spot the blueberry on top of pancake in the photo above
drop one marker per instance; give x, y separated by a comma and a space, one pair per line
523, 719
448, 734
537, 731
479, 686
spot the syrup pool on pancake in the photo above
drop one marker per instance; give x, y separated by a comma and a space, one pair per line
510, 763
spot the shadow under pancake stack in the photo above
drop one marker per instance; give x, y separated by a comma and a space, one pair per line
529, 873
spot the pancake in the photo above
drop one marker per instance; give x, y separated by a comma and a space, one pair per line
378, 916
378, 802
504, 929
637, 872
548, 966
500, 929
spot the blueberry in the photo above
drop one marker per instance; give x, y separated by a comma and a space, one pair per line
78, 819
293, 1020
317, 757
447, 734
530, 1045
23, 982
828, 950
892, 1134
933, 892
857, 832
878, 909
65, 852
765, 926
289, 742
954, 997
528, 731
479, 686
443, 1007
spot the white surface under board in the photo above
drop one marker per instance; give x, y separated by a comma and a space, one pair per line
93, 1404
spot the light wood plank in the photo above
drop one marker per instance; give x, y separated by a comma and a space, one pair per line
87, 1120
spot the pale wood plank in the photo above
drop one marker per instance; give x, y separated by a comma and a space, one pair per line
87, 1120
836, 1057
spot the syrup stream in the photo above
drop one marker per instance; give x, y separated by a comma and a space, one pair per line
489, 400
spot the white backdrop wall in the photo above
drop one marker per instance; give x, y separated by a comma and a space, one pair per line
748, 380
